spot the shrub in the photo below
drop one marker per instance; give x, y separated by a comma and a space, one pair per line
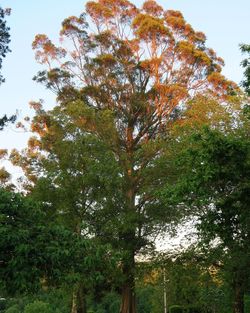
13, 309
38, 307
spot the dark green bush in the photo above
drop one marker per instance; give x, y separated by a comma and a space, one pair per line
144, 299
247, 303
194, 310
110, 303
2, 304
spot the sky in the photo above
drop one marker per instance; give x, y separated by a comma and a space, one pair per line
226, 24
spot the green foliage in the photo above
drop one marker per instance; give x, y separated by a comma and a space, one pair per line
4, 49
4, 38
214, 183
109, 303
36, 251
176, 309
188, 309
39, 307
246, 65
247, 302
59, 300
192, 309
145, 298
5, 120
148, 298
13, 309
17, 218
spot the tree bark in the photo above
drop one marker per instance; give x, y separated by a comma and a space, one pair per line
238, 299
128, 304
81, 300
128, 300
78, 300
74, 302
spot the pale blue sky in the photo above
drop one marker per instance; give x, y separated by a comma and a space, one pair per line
226, 23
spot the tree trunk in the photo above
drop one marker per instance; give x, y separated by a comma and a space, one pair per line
78, 300
238, 299
128, 300
74, 302
81, 300
128, 304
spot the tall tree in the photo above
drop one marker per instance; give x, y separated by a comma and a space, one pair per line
124, 78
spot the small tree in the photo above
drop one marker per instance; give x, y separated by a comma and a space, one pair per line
215, 181
37, 253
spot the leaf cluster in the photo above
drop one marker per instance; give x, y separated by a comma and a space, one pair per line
4, 37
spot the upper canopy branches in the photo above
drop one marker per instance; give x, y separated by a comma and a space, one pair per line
132, 61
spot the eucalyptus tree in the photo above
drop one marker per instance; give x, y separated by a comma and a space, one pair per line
122, 76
